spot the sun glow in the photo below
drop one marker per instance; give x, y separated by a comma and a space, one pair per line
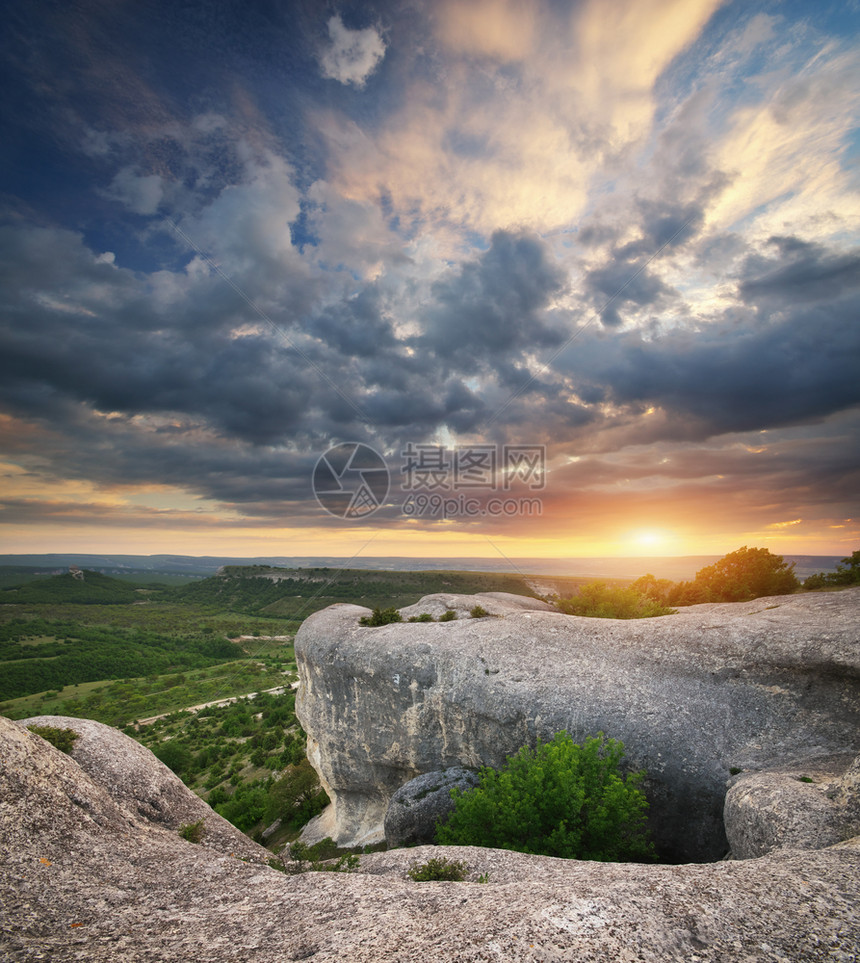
648, 538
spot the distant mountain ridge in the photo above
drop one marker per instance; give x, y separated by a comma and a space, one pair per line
672, 567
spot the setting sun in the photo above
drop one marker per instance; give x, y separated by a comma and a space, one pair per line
648, 538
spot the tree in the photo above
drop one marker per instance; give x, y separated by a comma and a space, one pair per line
297, 796
559, 799
654, 588
847, 573
175, 756
748, 573
598, 600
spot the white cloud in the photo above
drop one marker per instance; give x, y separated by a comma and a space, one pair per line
530, 107
141, 194
353, 54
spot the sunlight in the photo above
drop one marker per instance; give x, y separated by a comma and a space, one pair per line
648, 538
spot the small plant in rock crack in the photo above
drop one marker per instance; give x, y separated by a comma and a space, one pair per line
320, 858
438, 868
423, 617
193, 832
381, 617
449, 615
478, 612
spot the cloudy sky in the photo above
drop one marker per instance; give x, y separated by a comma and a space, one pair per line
235, 235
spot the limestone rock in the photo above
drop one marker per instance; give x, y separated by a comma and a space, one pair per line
142, 785
807, 807
693, 696
494, 603
82, 878
416, 807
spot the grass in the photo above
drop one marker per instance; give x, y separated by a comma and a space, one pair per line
121, 702
438, 869
193, 832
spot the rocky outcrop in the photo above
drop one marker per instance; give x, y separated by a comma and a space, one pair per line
143, 786
794, 807
695, 697
82, 877
415, 808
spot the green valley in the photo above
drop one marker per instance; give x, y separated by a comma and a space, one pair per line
202, 672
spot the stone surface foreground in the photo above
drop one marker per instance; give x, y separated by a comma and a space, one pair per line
696, 697
85, 875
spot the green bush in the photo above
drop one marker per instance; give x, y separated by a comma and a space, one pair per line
597, 600
847, 573
748, 573
320, 857
62, 739
423, 617
297, 796
449, 615
193, 832
381, 617
438, 868
559, 799
247, 806
175, 756
478, 612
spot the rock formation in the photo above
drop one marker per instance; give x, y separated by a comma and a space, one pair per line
143, 786
696, 697
86, 876
794, 807
415, 808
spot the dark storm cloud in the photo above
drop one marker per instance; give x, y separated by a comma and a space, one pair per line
355, 327
626, 281
493, 306
801, 271
664, 224
622, 282
173, 380
87, 332
796, 361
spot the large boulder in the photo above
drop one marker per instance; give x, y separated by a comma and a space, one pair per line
82, 877
794, 807
417, 807
696, 697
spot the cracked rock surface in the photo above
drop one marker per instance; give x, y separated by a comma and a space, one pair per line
84, 876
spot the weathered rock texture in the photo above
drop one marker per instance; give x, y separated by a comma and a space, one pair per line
82, 877
791, 807
695, 696
415, 808
144, 786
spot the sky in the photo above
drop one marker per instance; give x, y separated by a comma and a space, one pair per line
430, 278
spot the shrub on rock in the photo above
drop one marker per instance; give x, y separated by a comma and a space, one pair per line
597, 600
559, 799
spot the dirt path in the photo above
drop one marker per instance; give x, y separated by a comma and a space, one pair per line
278, 690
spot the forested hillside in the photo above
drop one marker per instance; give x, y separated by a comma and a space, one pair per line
87, 588
43, 654
294, 594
